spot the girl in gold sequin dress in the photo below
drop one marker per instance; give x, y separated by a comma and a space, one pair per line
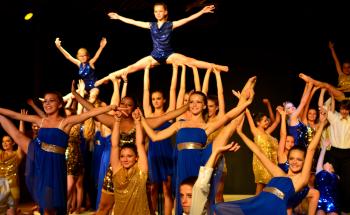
9, 162
261, 129
130, 171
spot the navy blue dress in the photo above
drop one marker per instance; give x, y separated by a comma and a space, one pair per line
46, 172
104, 162
327, 184
189, 160
298, 197
160, 158
161, 41
262, 204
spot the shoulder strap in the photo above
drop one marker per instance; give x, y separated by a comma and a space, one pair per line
59, 126
41, 123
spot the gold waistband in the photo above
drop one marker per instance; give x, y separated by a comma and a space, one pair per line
189, 145
274, 191
52, 148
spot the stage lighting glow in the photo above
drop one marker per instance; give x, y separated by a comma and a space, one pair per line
28, 16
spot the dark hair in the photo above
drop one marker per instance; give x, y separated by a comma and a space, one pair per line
345, 104
131, 146
213, 98
299, 148
258, 117
133, 100
61, 111
189, 181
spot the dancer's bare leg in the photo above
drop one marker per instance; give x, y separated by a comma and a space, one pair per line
191, 62
139, 65
338, 95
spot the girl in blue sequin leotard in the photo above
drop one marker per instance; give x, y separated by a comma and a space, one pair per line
161, 32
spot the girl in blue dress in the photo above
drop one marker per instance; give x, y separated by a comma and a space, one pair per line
46, 171
327, 182
160, 154
191, 135
286, 143
274, 197
161, 32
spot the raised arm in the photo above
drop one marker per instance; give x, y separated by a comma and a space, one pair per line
303, 100
143, 160
140, 24
305, 172
281, 156
103, 43
271, 167
206, 9
220, 92
65, 53
307, 105
37, 110
115, 99
205, 86
115, 138
267, 103
275, 123
182, 90
325, 144
197, 82
251, 122
147, 108
335, 58
125, 85
172, 93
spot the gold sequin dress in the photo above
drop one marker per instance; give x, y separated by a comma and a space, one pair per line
344, 83
130, 192
8, 169
74, 157
125, 137
268, 145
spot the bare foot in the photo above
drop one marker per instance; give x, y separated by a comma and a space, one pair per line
305, 77
221, 68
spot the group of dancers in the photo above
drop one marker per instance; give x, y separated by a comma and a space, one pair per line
129, 154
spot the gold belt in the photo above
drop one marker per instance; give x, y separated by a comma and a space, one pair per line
52, 148
274, 191
189, 145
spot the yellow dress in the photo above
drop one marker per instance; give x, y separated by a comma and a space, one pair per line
8, 169
130, 192
268, 145
344, 83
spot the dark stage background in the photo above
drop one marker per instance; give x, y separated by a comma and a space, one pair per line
275, 42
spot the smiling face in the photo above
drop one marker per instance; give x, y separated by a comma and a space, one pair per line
264, 122
127, 157
197, 104
83, 55
296, 160
51, 103
160, 12
7, 143
312, 115
289, 142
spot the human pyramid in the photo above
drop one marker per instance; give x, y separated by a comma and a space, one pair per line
134, 158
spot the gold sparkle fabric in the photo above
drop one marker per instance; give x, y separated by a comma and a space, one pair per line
8, 169
74, 156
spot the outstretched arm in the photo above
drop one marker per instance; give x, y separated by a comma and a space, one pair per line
18, 116
335, 58
99, 51
206, 9
140, 24
65, 53
182, 90
197, 82
275, 123
307, 105
205, 85
220, 92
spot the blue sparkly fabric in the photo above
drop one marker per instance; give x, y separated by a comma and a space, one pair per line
161, 41
327, 184
88, 75
299, 132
